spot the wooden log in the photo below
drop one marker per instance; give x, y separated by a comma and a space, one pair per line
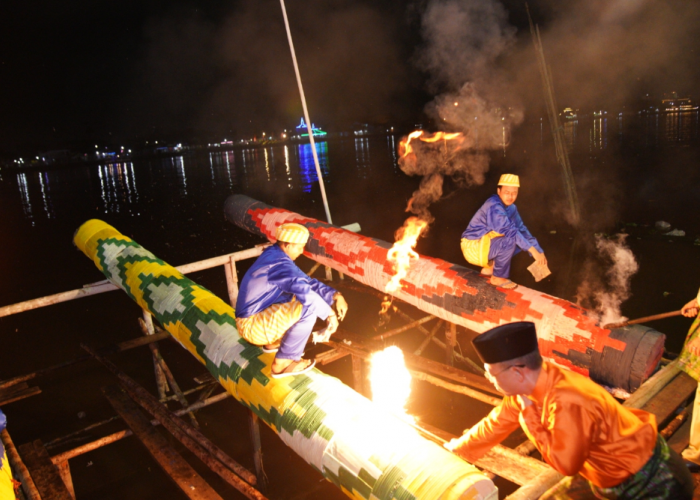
653, 385
681, 438
44, 473
329, 356
19, 468
182, 473
177, 427
675, 424
99, 443
16, 393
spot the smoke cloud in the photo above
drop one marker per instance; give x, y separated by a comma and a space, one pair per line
605, 293
463, 40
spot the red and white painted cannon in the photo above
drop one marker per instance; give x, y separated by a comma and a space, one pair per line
568, 334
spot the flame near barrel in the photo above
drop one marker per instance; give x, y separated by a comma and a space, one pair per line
363, 450
568, 335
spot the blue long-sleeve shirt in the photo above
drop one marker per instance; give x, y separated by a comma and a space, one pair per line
495, 216
275, 279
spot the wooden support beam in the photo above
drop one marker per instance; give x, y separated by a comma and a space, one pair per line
428, 338
192, 438
676, 392
254, 428
64, 472
17, 392
182, 473
147, 329
451, 337
459, 389
44, 473
19, 468
401, 329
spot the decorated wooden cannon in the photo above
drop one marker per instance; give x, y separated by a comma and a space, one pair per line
364, 451
568, 334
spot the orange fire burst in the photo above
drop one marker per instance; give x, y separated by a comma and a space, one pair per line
406, 149
402, 252
390, 381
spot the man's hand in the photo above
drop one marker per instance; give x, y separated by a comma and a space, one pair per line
693, 346
691, 309
538, 256
340, 305
332, 324
453, 444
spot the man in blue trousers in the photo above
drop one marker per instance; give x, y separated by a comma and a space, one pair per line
278, 304
496, 233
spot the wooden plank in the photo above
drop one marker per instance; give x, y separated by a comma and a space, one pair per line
64, 471
44, 473
329, 356
17, 392
182, 473
665, 403
502, 461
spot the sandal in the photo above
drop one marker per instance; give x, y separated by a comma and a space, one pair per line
507, 285
289, 370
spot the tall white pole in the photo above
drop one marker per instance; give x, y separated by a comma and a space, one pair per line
306, 114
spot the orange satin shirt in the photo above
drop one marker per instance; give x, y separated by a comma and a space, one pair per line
575, 424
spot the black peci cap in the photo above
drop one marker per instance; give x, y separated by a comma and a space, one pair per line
506, 342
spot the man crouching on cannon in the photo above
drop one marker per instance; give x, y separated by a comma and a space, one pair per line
278, 304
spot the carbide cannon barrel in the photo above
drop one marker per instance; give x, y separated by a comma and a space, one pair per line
364, 451
568, 334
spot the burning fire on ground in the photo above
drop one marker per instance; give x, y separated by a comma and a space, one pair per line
391, 382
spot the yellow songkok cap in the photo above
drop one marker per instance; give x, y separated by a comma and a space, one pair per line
509, 180
291, 232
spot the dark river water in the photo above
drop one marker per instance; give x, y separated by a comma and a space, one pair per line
630, 171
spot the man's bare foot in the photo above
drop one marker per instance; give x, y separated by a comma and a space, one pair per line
487, 271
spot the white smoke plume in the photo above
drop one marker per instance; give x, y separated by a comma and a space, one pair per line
463, 40
606, 294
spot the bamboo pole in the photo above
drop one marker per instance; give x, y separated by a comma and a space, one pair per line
192, 438
231, 281
111, 438
106, 286
28, 486
643, 320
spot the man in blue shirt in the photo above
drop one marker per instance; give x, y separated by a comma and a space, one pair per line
496, 233
277, 300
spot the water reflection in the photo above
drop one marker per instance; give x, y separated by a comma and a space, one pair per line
179, 162
24, 193
307, 167
570, 130
362, 156
599, 134
117, 186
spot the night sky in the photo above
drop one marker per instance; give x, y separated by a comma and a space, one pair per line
77, 72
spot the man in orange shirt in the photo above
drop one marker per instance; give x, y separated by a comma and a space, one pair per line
606, 449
